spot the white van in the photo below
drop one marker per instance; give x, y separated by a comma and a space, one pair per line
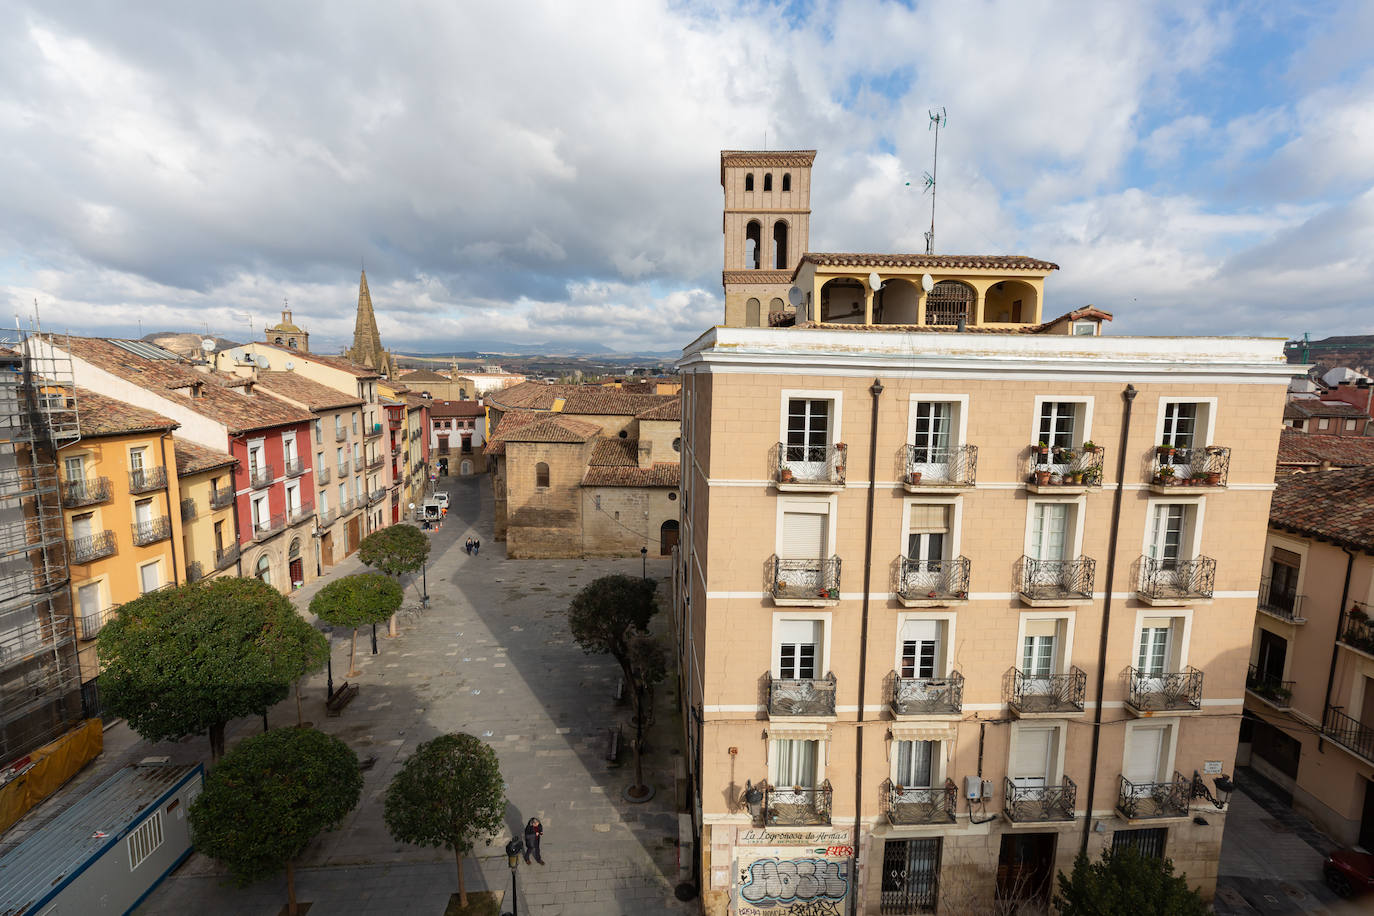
442, 499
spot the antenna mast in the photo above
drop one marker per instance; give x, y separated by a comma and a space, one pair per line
937, 120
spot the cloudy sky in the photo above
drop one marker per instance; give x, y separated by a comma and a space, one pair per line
548, 171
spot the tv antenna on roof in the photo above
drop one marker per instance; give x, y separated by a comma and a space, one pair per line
938, 119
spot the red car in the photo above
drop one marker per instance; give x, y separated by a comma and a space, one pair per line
1349, 873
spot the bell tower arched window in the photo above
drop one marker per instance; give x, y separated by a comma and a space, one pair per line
753, 243
787, 181
541, 475
768, 181
749, 182
780, 245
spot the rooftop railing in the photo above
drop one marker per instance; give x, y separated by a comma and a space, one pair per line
801, 696
926, 467
1030, 804
1176, 580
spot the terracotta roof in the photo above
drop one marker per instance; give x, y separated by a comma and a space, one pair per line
456, 409
103, 416
611, 402
935, 261
510, 422
615, 453
1087, 311
334, 362
417, 400
1336, 506
237, 411
671, 410
193, 458
1308, 408
1298, 449
424, 375
554, 429
529, 395
658, 475
293, 386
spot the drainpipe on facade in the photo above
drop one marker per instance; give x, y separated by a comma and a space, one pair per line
1335, 649
1128, 396
172, 470
876, 389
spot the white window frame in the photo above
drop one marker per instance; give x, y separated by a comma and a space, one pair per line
1193, 519
264, 515
1166, 770
1323, 423
1084, 329
808, 504
1066, 620
1084, 415
948, 618
293, 451
145, 839
958, 425
1203, 430
822, 752
956, 519
1183, 633
775, 638
834, 396
1056, 775
937, 762
161, 580
1079, 504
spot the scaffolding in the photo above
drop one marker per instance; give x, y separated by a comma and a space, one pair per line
40, 677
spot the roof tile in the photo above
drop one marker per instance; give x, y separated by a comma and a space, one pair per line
105, 416
1336, 506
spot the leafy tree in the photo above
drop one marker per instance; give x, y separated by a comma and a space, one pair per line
1125, 883
269, 797
356, 601
395, 550
186, 660
448, 794
611, 617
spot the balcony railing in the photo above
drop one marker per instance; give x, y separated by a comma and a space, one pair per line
93, 547
1269, 687
1190, 467
395, 449
927, 696
1176, 581
805, 582
1029, 804
904, 805
194, 571
151, 531
1052, 581
92, 624
341, 434
376, 496
221, 499
1164, 692
928, 582
144, 480
266, 527
1355, 630
1032, 694
373, 431
293, 467
1154, 799
796, 806
261, 476
1349, 732
1064, 469
801, 696
188, 509
300, 513
346, 506
226, 556
343, 468
811, 466
322, 475
86, 492
375, 462
1283, 603
927, 468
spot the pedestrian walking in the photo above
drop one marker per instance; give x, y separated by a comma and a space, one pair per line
467, 546
533, 832
476, 545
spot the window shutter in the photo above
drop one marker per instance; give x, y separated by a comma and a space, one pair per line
1144, 749
1032, 753
1287, 558
929, 518
804, 535
1044, 627
921, 630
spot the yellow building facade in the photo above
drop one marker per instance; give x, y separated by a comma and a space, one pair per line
206, 482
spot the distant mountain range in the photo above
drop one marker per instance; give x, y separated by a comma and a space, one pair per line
1352, 351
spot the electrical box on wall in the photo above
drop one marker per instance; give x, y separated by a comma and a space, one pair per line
987, 788
973, 788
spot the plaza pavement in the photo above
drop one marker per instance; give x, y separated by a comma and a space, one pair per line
491, 656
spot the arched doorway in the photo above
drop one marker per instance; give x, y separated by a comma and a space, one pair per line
443, 467
896, 302
295, 564
842, 299
667, 537
465, 468
752, 316
1009, 301
949, 303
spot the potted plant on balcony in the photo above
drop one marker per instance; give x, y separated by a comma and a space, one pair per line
1042, 476
1091, 446
1092, 477
1056, 478
1076, 478
913, 477
1214, 478
1164, 449
785, 475
1357, 613
825, 593
1165, 475
1041, 447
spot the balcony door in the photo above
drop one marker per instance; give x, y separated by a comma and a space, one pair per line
1180, 425
1143, 764
83, 528
808, 437
1167, 529
931, 438
1153, 653
88, 597
1040, 657
74, 471
1059, 424
1273, 654
149, 577
1049, 534
920, 648
1031, 763
143, 515
1283, 578
795, 763
799, 649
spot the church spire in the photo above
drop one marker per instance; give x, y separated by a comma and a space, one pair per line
367, 342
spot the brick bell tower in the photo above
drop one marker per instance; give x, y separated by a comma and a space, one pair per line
767, 227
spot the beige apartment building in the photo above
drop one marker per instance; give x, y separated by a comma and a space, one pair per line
961, 591
1310, 688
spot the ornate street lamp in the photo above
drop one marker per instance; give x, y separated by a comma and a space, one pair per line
513, 850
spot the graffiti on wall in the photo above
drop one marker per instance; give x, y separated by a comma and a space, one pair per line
803, 886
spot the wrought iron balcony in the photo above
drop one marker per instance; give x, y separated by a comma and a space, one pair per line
322, 476
1045, 694
145, 480
1064, 470
1286, 604
194, 571
927, 696
300, 513
939, 468
373, 431
188, 509
811, 467
151, 531
1137, 800
85, 492
226, 556
1349, 732
1356, 630
261, 476
92, 624
343, 468
1175, 582
805, 582
376, 496
395, 449
1189, 467
1055, 583
1029, 804
266, 527
1169, 691
93, 547
796, 806
341, 434
375, 462
293, 467
1269, 687
221, 498
904, 805
933, 583
801, 696
325, 517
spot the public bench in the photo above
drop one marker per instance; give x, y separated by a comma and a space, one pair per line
341, 698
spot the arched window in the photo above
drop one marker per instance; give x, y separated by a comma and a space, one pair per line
541, 475
787, 181
462, 394
776, 306
751, 314
295, 549
779, 245
949, 303
263, 569
749, 182
277, 341
768, 182
753, 242
291, 343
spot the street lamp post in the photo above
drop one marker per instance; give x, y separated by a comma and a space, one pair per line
513, 850
644, 563
329, 662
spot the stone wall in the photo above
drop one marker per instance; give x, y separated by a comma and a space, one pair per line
544, 521
618, 521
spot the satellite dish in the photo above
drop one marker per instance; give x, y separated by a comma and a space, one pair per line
290, 365
207, 345
262, 362
927, 282
874, 281
794, 296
